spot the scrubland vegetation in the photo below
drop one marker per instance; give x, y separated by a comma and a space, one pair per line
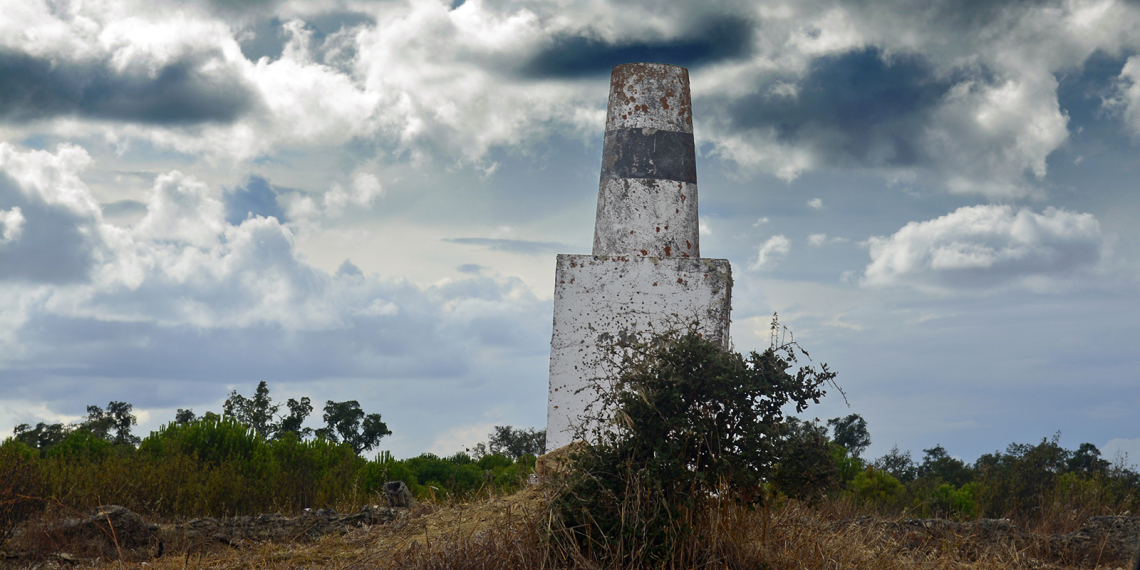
692, 465
219, 467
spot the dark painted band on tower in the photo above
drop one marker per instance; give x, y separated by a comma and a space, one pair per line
649, 153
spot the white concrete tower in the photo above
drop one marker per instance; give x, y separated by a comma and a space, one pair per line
645, 273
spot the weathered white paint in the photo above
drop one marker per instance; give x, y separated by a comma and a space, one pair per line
647, 217
645, 275
653, 217
598, 299
652, 95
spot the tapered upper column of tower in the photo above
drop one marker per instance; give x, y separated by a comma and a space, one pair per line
647, 197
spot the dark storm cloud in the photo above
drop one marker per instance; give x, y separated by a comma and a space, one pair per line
512, 245
179, 93
264, 38
257, 198
852, 107
726, 37
975, 14
54, 245
1082, 94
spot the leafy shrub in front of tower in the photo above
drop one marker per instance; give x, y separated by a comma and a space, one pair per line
684, 423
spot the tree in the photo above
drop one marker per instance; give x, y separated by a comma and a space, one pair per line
298, 411
259, 413
807, 464
937, 464
184, 416
478, 451
42, 437
256, 412
1018, 478
1086, 461
117, 418
898, 464
343, 422
680, 421
850, 432
515, 443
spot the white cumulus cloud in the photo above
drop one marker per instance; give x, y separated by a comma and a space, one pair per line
1128, 96
988, 246
12, 221
182, 264
817, 240
988, 136
771, 252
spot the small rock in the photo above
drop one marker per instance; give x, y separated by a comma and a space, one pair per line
399, 496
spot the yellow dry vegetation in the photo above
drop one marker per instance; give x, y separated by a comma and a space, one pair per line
466, 520
507, 532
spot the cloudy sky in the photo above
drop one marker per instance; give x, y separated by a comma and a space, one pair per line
363, 200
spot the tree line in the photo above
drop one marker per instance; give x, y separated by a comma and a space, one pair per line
345, 422
1029, 482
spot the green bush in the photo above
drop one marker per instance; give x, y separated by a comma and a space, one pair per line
875, 487
82, 444
494, 460
456, 477
847, 467
13, 448
21, 485
380, 472
459, 458
1017, 481
683, 421
956, 503
512, 476
315, 473
213, 441
168, 477
806, 467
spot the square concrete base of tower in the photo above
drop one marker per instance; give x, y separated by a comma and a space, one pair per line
600, 299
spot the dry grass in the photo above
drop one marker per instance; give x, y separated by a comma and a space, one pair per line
510, 532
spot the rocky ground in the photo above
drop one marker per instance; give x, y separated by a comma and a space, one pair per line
111, 530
